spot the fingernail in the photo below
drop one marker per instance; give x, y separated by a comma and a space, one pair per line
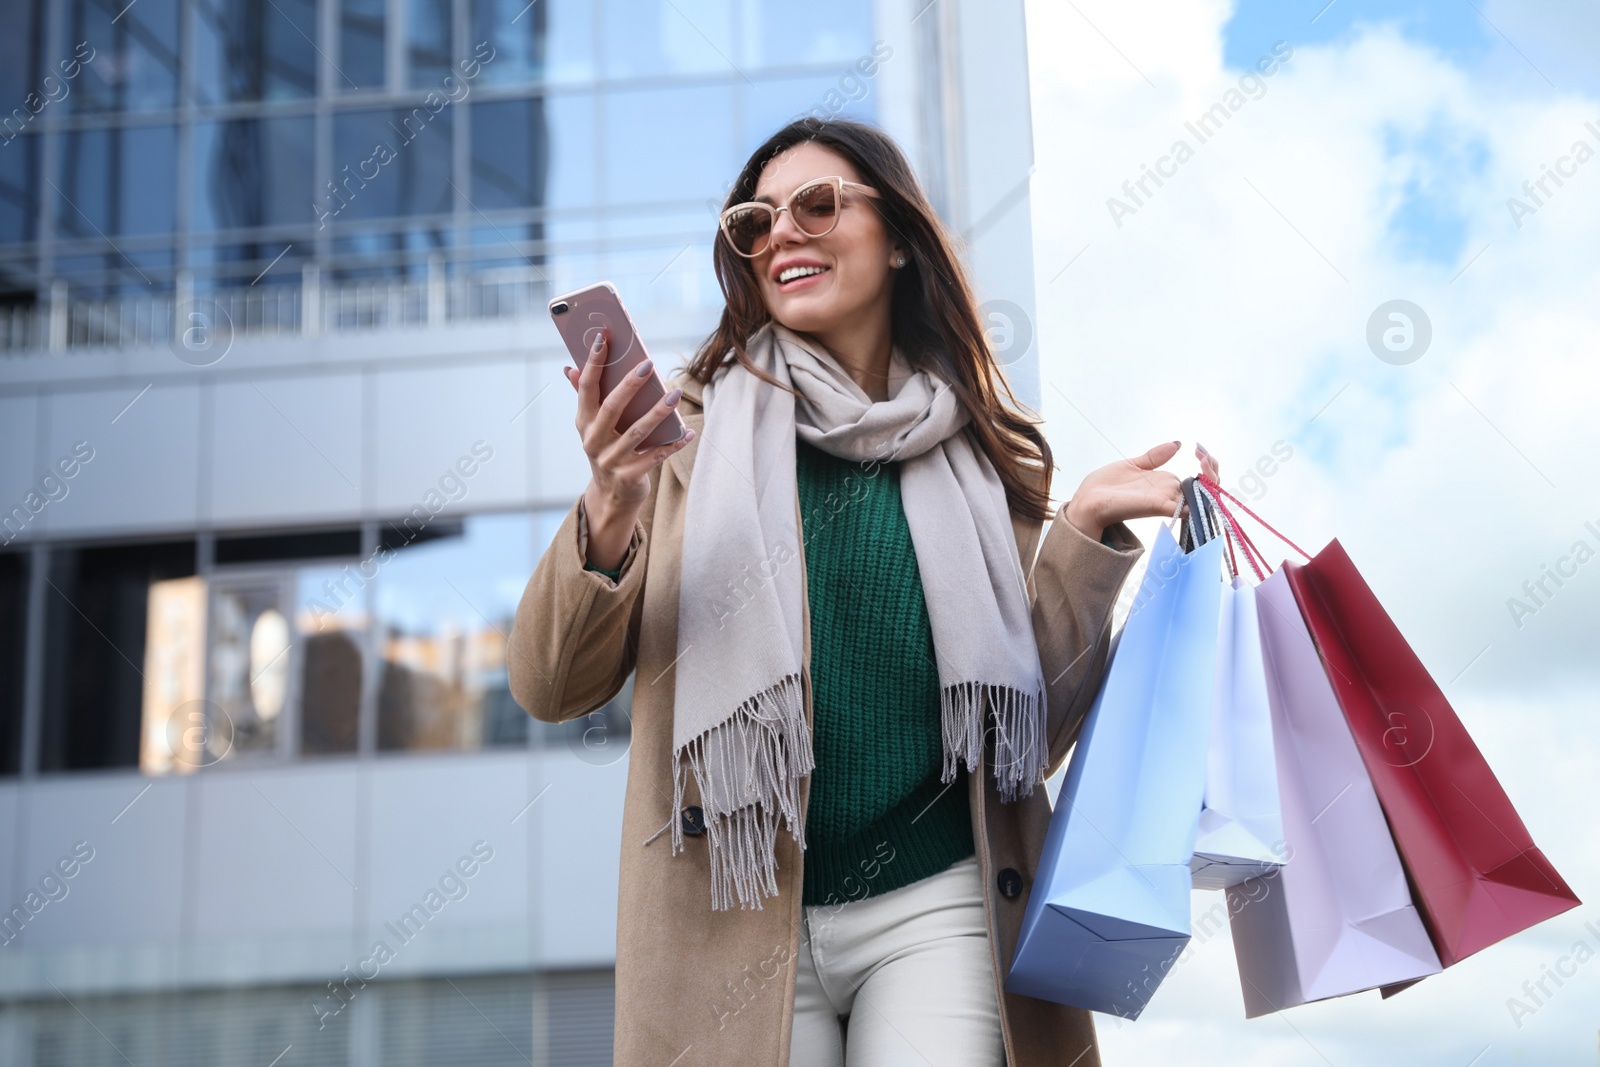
672, 397
644, 369
1202, 448
688, 435
599, 339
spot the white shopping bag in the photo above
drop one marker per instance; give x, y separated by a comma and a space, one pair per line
1338, 917
1241, 828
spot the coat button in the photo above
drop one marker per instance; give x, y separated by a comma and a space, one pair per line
1010, 882
694, 821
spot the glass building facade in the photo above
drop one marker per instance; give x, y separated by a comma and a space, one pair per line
282, 437
172, 146
361, 154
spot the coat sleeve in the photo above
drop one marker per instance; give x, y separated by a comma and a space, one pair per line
1073, 588
576, 634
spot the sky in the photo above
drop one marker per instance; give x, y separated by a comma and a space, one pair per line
1242, 303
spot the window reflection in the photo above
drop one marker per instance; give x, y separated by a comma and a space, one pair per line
22, 51
250, 50
19, 189
645, 37
254, 172
117, 181
833, 31
361, 44
571, 121
175, 723
273, 651
510, 154
135, 60
249, 662
97, 616
428, 42
331, 625
14, 570
675, 156
516, 31
389, 162
443, 608
772, 102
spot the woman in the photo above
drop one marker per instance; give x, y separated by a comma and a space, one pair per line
853, 674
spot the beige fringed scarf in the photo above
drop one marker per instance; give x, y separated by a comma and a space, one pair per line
739, 717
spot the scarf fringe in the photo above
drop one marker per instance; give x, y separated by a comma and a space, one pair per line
1020, 749
770, 729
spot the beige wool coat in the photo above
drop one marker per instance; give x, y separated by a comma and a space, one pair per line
699, 987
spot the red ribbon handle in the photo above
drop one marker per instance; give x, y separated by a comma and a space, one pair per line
1219, 492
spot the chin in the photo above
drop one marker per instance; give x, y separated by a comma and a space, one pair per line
806, 316
803, 323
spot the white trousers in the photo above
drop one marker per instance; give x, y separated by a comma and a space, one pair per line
911, 970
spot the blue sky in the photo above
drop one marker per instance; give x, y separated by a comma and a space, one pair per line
1430, 221
1451, 26
1233, 308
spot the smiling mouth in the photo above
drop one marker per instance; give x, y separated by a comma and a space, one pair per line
796, 275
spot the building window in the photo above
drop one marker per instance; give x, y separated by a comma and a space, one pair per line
249, 661
97, 608
443, 605
336, 641
287, 643
134, 65
14, 571
250, 50
332, 651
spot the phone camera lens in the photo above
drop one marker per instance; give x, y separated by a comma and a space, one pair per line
559, 308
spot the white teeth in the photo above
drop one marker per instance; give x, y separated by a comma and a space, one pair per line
792, 273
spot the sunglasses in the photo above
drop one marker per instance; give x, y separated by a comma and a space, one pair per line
814, 208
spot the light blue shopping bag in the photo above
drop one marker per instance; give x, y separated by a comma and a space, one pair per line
1109, 910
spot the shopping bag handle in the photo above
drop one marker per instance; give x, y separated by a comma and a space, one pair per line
1197, 525
1244, 540
1252, 555
1229, 534
1203, 524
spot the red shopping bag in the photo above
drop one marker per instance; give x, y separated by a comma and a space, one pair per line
1475, 872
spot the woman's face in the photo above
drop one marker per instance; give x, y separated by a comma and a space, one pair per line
854, 258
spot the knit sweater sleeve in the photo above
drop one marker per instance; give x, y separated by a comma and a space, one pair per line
615, 575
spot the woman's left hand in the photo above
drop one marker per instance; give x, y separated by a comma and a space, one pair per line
1131, 489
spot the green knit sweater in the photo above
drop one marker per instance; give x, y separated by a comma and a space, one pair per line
877, 817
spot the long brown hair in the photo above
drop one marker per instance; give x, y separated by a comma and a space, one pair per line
933, 316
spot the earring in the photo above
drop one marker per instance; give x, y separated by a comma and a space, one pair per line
899, 261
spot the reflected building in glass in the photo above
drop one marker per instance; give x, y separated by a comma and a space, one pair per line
282, 435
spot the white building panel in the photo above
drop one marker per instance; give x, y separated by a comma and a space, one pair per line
287, 448
147, 458
426, 426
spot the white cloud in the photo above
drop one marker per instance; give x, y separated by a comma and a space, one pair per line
1233, 306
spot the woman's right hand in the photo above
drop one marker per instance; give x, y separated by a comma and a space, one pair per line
619, 481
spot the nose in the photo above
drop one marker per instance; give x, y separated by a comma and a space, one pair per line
786, 231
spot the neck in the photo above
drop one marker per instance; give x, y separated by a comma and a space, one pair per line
862, 348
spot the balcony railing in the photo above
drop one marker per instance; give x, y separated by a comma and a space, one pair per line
67, 322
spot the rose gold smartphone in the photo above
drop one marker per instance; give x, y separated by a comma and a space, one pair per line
578, 316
